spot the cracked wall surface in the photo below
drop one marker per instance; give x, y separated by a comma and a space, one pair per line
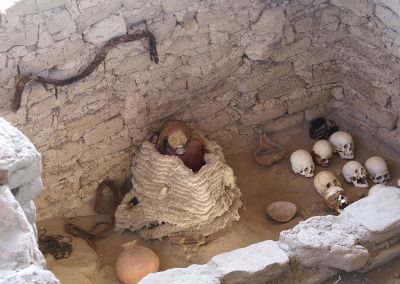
230, 68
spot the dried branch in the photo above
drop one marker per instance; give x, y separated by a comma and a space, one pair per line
22, 80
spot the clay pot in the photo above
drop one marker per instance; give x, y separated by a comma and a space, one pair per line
268, 152
282, 211
135, 262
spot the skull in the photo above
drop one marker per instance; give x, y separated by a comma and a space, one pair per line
355, 173
377, 170
335, 199
323, 181
343, 144
322, 153
302, 163
375, 188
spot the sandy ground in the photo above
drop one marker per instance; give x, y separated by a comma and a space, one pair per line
260, 186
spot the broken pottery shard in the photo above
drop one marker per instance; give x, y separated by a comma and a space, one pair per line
174, 201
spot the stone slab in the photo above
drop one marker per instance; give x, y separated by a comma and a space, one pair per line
327, 241
27, 192
105, 30
18, 247
194, 274
19, 155
256, 263
379, 214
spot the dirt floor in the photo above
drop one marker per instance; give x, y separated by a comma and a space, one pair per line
260, 186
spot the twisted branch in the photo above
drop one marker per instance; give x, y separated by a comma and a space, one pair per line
101, 54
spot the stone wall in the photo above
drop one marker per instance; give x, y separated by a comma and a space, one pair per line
370, 57
230, 68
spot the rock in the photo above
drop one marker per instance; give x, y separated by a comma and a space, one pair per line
265, 33
359, 7
28, 191
271, 21
337, 93
379, 214
47, 5
19, 254
390, 19
392, 4
256, 263
59, 21
326, 241
31, 275
105, 30
18, 153
194, 274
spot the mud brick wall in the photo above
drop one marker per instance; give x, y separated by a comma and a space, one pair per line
369, 57
232, 69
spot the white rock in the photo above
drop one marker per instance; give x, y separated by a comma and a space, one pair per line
19, 154
47, 5
392, 4
93, 11
23, 37
3, 60
105, 30
30, 212
326, 241
58, 21
271, 21
379, 214
265, 33
256, 263
18, 247
30, 275
375, 188
337, 93
358, 7
194, 274
390, 19
28, 191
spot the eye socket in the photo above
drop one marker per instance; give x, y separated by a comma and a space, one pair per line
328, 185
356, 171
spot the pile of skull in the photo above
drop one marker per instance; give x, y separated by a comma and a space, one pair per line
325, 182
